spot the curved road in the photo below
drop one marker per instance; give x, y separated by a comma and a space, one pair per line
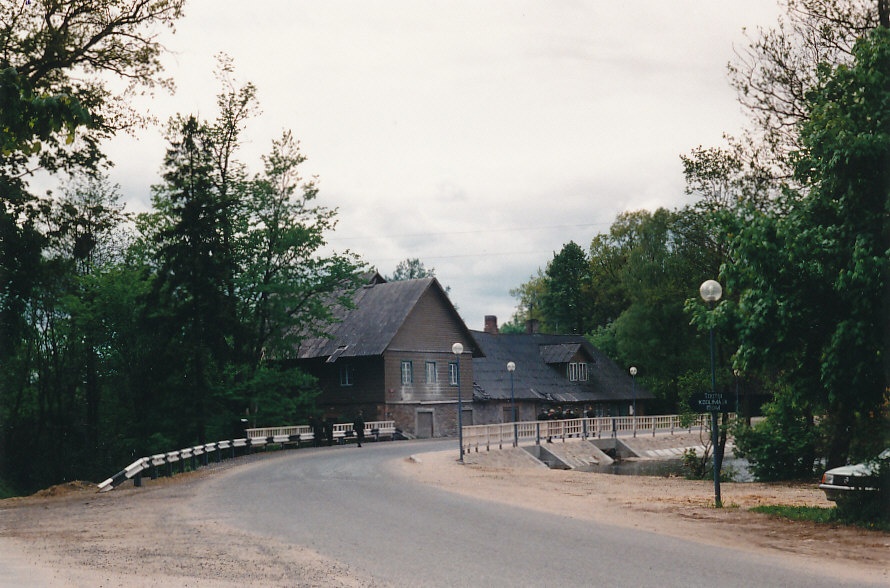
346, 503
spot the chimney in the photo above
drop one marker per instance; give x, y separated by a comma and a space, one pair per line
491, 324
531, 326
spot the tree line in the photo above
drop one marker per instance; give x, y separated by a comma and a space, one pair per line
125, 335
793, 218
122, 335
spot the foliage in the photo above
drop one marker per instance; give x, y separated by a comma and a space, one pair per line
566, 290
61, 53
122, 344
783, 445
813, 273
411, 269
528, 295
27, 119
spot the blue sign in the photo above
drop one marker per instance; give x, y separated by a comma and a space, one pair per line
709, 402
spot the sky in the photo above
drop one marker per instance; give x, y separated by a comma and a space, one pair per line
479, 136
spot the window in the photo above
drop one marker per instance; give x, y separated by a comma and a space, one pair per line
578, 372
431, 376
347, 375
452, 373
407, 372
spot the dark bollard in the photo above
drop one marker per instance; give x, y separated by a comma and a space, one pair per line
137, 480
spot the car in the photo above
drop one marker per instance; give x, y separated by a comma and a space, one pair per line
859, 477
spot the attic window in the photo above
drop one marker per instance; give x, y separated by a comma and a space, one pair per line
578, 372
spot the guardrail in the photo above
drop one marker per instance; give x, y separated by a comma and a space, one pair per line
501, 434
200, 454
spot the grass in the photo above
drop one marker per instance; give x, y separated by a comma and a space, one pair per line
819, 514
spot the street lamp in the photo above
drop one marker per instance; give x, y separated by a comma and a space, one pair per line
711, 291
457, 349
633, 375
511, 367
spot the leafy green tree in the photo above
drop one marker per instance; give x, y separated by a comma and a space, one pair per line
528, 308
283, 281
411, 269
814, 278
62, 52
565, 300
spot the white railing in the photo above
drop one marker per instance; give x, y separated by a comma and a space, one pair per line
301, 433
255, 438
504, 434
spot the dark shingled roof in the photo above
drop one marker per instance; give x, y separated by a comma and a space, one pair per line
536, 378
380, 310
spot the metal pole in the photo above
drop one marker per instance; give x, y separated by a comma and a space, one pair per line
717, 502
513, 402
457, 349
634, 388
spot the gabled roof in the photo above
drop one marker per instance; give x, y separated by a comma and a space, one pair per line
380, 309
537, 377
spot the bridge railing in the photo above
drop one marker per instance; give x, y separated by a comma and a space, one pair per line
374, 429
503, 434
198, 455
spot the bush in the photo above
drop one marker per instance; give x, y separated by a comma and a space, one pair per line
781, 447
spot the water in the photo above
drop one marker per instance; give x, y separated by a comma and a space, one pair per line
670, 467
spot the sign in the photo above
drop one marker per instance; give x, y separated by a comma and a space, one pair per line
709, 402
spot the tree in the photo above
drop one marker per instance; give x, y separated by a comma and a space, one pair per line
777, 70
65, 49
528, 309
411, 269
567, 289
55, 108
814, 278
240, 278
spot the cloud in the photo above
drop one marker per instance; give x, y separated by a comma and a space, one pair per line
479, 137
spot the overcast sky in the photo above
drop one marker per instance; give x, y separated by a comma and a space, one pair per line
478, 136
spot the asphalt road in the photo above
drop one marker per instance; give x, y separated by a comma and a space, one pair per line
345, 503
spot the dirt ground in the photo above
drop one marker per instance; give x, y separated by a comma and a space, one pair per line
73, 536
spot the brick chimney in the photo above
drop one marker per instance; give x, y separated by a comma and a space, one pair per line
491, 324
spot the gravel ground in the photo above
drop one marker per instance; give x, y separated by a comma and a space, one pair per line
73, 536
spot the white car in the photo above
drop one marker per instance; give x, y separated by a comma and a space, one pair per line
851, 478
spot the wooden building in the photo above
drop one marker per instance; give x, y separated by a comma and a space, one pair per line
390, 355
565, 373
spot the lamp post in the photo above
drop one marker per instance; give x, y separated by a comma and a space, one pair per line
633, 375
457, 349
711, 291
511, 367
